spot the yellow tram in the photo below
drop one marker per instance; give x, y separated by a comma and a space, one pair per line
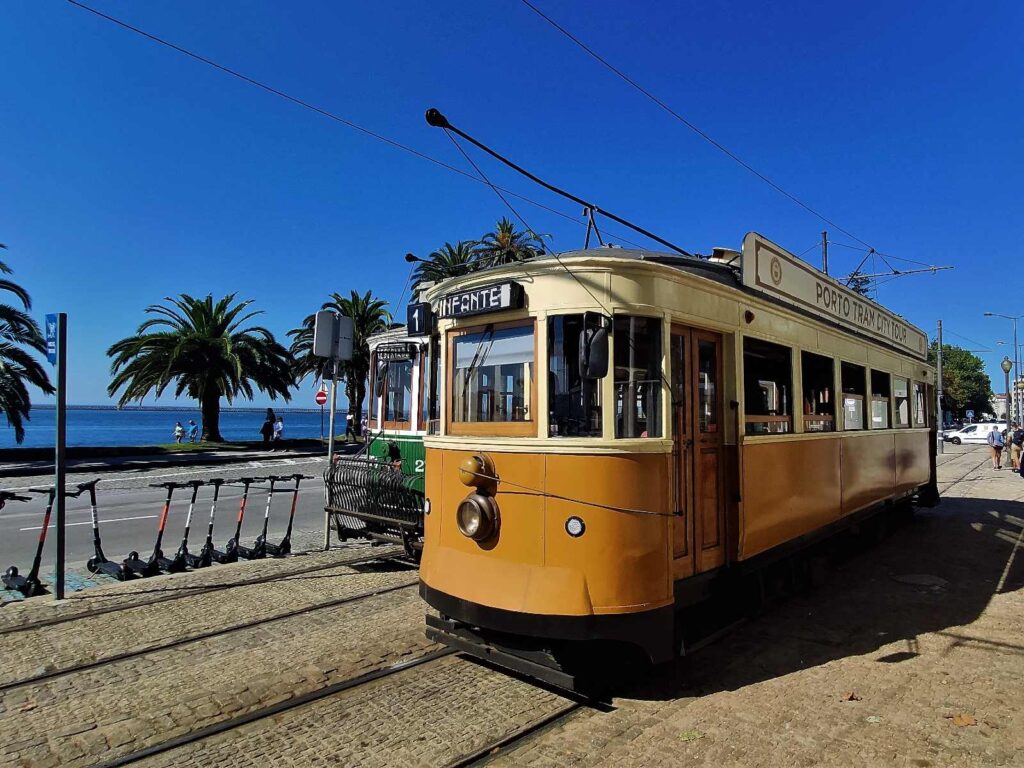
619, 428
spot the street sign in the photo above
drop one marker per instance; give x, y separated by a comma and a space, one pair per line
969, 414
51, 339
395, 353
332, 335
321, 397
487, 298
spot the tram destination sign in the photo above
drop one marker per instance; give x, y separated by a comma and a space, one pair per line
770, 269
395, 353
487, 298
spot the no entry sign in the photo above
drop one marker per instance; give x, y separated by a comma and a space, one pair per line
321, 397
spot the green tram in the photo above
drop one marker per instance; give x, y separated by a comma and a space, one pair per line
377, 493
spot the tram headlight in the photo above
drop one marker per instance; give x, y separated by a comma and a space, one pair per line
477, 471
477, 517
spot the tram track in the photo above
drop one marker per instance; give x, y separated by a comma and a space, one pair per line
219, 632
276, 709
185, 591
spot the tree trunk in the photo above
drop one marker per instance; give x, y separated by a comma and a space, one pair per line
210, 406
355, 406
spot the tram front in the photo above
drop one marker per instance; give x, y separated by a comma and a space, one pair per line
548, 486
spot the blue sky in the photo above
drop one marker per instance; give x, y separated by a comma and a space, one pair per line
131, 173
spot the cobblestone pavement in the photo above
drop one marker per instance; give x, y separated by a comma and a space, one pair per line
910, 655
122, 706
430, 715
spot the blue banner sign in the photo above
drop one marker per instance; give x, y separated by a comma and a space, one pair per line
51, 339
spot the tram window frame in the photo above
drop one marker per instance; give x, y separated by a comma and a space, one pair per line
453, 426
899, 402
853, 381
390, 423
881, 398
920, 408
655, 371
566, 375
818, 391
767, 376
374, 411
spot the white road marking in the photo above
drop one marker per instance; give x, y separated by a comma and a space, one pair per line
89, 522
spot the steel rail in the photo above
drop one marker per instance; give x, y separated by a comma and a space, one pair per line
178, 642
187, 591
275, 709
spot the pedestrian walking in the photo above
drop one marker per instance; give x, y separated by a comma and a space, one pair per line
1016, 438
193, 431
278, 432
179, 432
267, 431
995, 442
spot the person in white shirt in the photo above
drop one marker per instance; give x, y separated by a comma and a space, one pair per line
278, 432
995, 441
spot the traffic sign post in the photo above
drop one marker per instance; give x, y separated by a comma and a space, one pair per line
57, 353
332, 338
321, 399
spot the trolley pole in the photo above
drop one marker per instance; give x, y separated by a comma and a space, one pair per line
59, 456
940, 445
824, 252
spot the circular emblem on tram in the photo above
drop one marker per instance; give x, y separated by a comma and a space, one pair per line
776, 270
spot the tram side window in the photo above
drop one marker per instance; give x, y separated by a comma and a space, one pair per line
638, 376
767, 387
901, 402
819, 392
574, 403
398, 393
376, 372
854, 383
492, 377
880, 393
920, 405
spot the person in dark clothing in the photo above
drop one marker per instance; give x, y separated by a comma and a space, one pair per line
267, 431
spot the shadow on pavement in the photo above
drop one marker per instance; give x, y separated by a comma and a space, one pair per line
935, 574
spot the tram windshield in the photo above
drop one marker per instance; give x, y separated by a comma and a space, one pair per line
493, 375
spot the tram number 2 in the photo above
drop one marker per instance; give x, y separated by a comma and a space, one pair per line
419, 466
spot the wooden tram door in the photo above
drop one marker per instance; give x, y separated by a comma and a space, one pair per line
698, 532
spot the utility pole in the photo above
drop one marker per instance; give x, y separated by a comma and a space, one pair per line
824, 252
938, 393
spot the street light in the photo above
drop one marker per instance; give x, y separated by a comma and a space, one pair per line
1015, 363
1007, 366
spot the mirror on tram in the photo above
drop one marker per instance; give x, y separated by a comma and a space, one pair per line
594, 346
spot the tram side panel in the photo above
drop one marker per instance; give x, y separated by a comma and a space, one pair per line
869, 470
913, 465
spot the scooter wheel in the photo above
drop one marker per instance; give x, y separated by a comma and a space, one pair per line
90, 565
133, 555
12, 572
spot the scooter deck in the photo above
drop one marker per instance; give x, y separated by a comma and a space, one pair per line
257, 552
27, 587
111, 569
140, 567
279, 550
224, 557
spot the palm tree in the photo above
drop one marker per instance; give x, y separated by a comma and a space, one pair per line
202, 349
17, 366
447, 261
504, 245
369, 316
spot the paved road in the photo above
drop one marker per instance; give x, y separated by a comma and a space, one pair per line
129, 510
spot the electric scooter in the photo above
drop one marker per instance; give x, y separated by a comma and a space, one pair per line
29, 585
99, 563
182, 559
208, 554
230, 553
285, 547
156, 561
259, 550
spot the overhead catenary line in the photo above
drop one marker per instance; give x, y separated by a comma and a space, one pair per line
319, 110
704, 135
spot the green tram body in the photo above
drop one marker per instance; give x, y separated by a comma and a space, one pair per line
378, 493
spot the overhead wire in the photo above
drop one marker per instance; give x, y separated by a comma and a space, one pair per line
693, 127
319, 110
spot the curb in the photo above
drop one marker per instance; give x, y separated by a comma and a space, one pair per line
100, 466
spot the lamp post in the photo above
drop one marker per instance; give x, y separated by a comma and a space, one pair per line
1015, 363
1007, 366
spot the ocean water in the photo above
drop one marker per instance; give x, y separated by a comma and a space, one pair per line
154, 426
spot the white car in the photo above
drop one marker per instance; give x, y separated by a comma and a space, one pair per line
973, 433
